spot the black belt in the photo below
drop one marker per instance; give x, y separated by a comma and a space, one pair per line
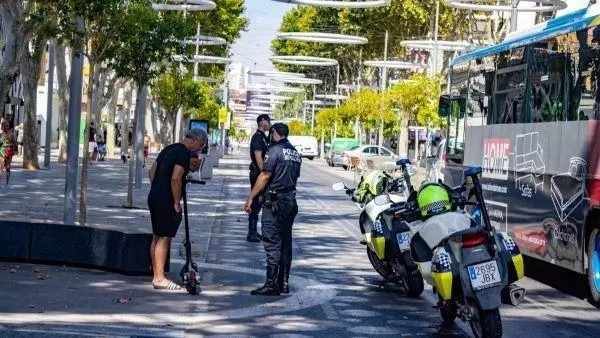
286, 192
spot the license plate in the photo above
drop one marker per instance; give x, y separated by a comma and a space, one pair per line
484, 275
403, 240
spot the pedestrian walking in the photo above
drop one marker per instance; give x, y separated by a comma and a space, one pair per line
164, 200
7, 149
146, 147
91, 142
258, 148
278, 180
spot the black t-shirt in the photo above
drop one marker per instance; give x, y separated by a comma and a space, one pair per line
283, 162
175, 154
259, 142
92, 137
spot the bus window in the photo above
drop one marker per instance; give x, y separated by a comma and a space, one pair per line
581, 74
459, 83
509, 93
547, 72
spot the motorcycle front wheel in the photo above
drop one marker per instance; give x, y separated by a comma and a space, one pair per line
383, 268
413, 281
487, 323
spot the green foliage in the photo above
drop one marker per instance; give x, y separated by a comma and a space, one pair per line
299, 128
290, 108
207, 109
147, 39
173, 90
417, 99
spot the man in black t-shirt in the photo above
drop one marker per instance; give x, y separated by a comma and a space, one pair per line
167, 177
258, 148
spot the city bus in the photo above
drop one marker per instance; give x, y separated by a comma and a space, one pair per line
527, 111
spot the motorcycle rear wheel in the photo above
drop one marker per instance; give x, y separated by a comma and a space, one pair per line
487, 323
384, 269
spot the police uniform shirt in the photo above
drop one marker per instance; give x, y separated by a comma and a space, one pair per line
259, 142
283, 163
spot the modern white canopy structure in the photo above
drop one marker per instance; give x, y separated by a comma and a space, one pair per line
205, 40
203, 59
273, 73
265, 101
449, 46
331, 96
258, 108
323, 37
313, 102
272, 97
184, 5
394, 64
304, 61
275, 89
296, 80
339, 3
543, 6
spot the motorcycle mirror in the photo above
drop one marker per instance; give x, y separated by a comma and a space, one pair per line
338, 186
382, 200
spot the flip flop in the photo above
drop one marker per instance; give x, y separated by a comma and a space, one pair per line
172, 286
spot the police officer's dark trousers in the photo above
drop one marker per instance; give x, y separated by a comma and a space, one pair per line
253, 235
277, 225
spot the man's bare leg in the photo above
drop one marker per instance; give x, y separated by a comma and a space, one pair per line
152, 250
161, 249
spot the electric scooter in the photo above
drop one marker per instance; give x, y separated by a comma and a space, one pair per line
189, 273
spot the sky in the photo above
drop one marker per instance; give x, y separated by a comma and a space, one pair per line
254, 46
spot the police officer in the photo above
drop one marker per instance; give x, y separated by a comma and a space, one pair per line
258, 149
278, 181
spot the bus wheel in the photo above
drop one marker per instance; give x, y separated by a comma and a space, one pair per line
594, 268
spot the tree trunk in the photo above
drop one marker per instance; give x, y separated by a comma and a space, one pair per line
138, 98
153, 118
63, 101
86, 154
110, 128
403, 137
125, 121
9, 67
30, 128
380, 138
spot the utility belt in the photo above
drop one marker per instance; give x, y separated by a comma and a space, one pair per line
270, 198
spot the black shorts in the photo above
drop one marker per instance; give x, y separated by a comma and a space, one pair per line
165, 221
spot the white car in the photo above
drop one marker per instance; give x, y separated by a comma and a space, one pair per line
373, 152
307, 146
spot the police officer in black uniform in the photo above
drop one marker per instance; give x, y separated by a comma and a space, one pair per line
258, 149
278, 181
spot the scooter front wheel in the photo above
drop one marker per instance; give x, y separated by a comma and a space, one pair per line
487, 323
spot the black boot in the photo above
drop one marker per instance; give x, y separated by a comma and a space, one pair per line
271, 287
284, 276
253, 235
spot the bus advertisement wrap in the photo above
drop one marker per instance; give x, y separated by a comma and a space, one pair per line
536, 177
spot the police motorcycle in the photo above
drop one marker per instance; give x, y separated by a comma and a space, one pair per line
470, 265
386, 237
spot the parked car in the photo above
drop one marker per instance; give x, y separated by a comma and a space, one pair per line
307, 146
373, 152
336, 156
